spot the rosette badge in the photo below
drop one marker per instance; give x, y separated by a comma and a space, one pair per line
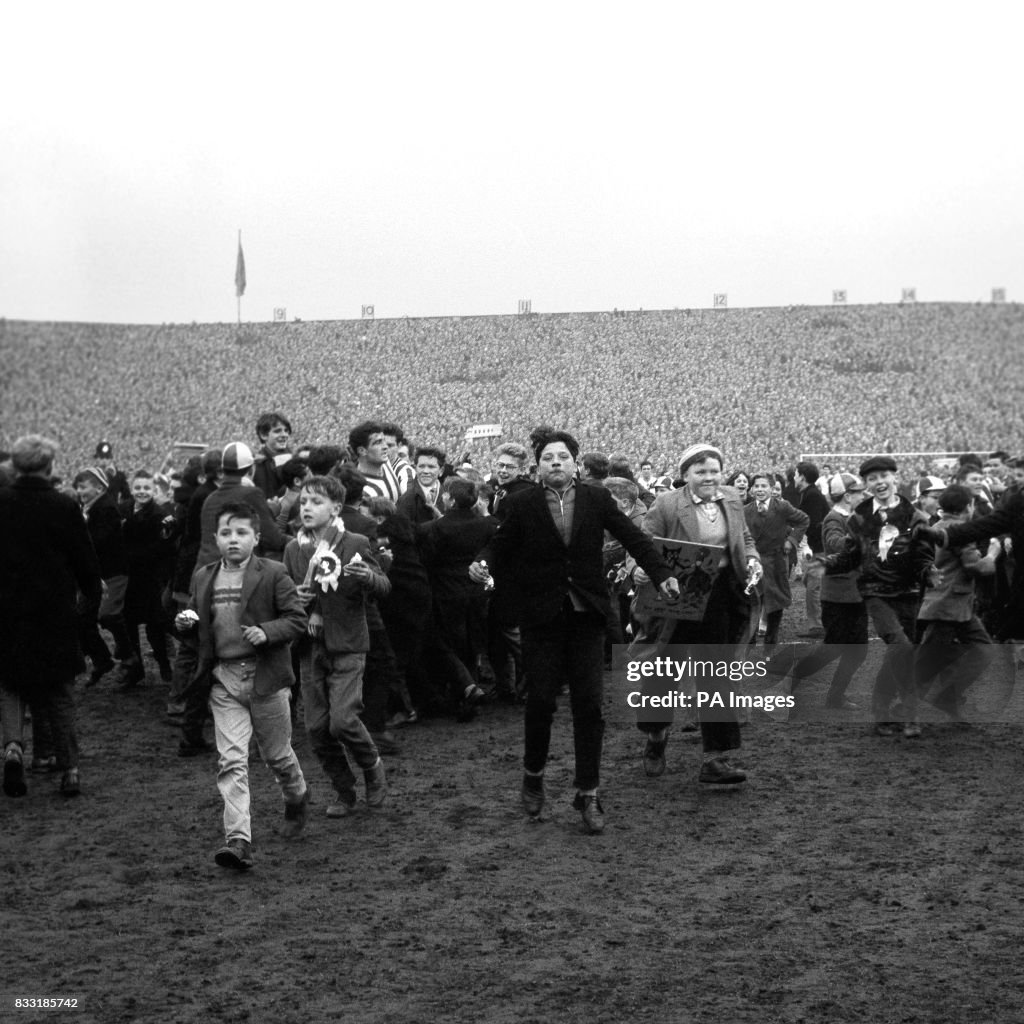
328, 571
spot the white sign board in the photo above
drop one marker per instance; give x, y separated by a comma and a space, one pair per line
482, 431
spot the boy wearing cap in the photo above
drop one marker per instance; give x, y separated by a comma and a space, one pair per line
894, 565
237, 464
928, 490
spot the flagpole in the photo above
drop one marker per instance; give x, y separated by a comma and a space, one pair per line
237, 290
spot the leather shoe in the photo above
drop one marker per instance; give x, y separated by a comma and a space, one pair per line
593, 813
718, 771
70, 785
295, 817
533, 795
654, 753
236, 853
376, 785
14, 772
98, 672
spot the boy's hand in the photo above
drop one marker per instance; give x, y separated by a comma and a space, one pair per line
254, 635
316, 624
306, 593
360, 570
185, 620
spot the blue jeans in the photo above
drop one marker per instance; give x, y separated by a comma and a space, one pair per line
238, 712
569, 649
332, 698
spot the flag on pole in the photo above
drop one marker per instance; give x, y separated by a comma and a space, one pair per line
240, 270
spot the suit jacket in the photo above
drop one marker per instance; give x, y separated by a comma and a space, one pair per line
104, 522
270, 601
448, 546
345, 610
674, 515
46, 558
816, 506
528, 556
414, 505
952, 600
272, 540
781, 522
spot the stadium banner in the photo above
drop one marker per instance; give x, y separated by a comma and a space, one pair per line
483, 431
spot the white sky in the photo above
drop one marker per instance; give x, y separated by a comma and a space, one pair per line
451, 158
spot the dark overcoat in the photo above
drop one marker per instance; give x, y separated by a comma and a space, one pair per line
46, 560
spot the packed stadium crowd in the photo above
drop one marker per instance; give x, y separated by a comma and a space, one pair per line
315, 564
913, 377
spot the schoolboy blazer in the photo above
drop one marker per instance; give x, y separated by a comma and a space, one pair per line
269, 600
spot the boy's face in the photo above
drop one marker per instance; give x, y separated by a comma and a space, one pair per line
142, 490
881, 484
761, 489
88, 490
277, 438
556, 467
506, 469
930, 502
236, 538
316, 510
428, 469
704, 477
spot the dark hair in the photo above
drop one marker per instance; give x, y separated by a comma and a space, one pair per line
431, 453
541, 437
359, 435
751, 477
969, 458
955, 498
966, 470
378, 505
622, 487
1000, 455
268, 420
142, 474
352, 481
619, 466
597, 464
329, 486
212, 463
293, 470
462, 492
239, 510
731, 481
395, 431
324, 457
808, 470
